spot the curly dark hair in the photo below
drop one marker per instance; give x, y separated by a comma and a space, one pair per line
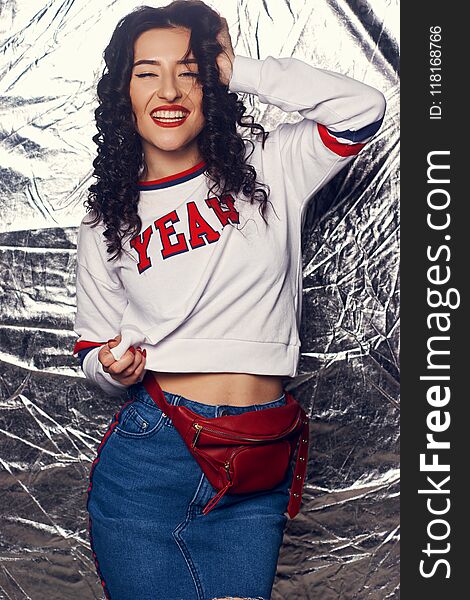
120, 162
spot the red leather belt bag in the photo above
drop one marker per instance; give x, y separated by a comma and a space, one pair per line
243, 453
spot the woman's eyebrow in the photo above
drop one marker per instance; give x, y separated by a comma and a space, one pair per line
157, 62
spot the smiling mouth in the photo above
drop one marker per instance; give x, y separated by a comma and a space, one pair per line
168, 118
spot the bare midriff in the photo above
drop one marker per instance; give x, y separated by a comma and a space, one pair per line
236, 389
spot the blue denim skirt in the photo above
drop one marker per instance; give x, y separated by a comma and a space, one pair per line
149, 538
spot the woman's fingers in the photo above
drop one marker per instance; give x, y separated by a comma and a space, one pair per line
137, 359
124, 366
132, 372
129, 368
106, 357
140, 368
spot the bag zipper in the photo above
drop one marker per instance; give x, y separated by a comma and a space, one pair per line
200, 427
221, 493
227, 468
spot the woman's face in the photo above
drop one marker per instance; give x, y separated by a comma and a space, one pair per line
162, 91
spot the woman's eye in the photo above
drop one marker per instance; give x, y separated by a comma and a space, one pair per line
188, 73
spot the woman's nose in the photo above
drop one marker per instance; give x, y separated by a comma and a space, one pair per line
168, 88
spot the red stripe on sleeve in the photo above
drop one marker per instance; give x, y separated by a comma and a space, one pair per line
81, 345
332, 144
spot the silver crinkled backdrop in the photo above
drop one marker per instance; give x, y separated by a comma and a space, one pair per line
344, 544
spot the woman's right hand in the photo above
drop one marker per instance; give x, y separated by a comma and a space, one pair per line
129, 369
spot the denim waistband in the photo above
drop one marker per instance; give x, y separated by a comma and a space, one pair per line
206, 410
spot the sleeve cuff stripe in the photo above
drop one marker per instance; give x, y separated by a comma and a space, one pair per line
332, 143
360, 134
82, 354
82, 344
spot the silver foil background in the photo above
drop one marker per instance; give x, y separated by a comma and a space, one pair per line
345, 543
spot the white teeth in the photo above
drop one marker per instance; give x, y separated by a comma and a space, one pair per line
168, 114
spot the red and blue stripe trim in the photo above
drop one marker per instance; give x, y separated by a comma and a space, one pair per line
82, 348
104, 439
335, 146
359, 135
171, 180
95, 560
83, 344
348, 142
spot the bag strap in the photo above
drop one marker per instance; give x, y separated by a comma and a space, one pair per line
300, 469
156, 393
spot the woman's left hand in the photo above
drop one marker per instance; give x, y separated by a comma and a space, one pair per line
226, 57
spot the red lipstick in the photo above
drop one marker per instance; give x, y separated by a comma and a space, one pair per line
165, 122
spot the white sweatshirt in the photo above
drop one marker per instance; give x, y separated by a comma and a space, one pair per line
203, 295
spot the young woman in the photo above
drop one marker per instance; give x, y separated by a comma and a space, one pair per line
201, 289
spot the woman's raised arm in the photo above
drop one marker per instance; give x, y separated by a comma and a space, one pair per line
340, 114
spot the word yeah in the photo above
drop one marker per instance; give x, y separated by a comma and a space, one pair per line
199, 230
